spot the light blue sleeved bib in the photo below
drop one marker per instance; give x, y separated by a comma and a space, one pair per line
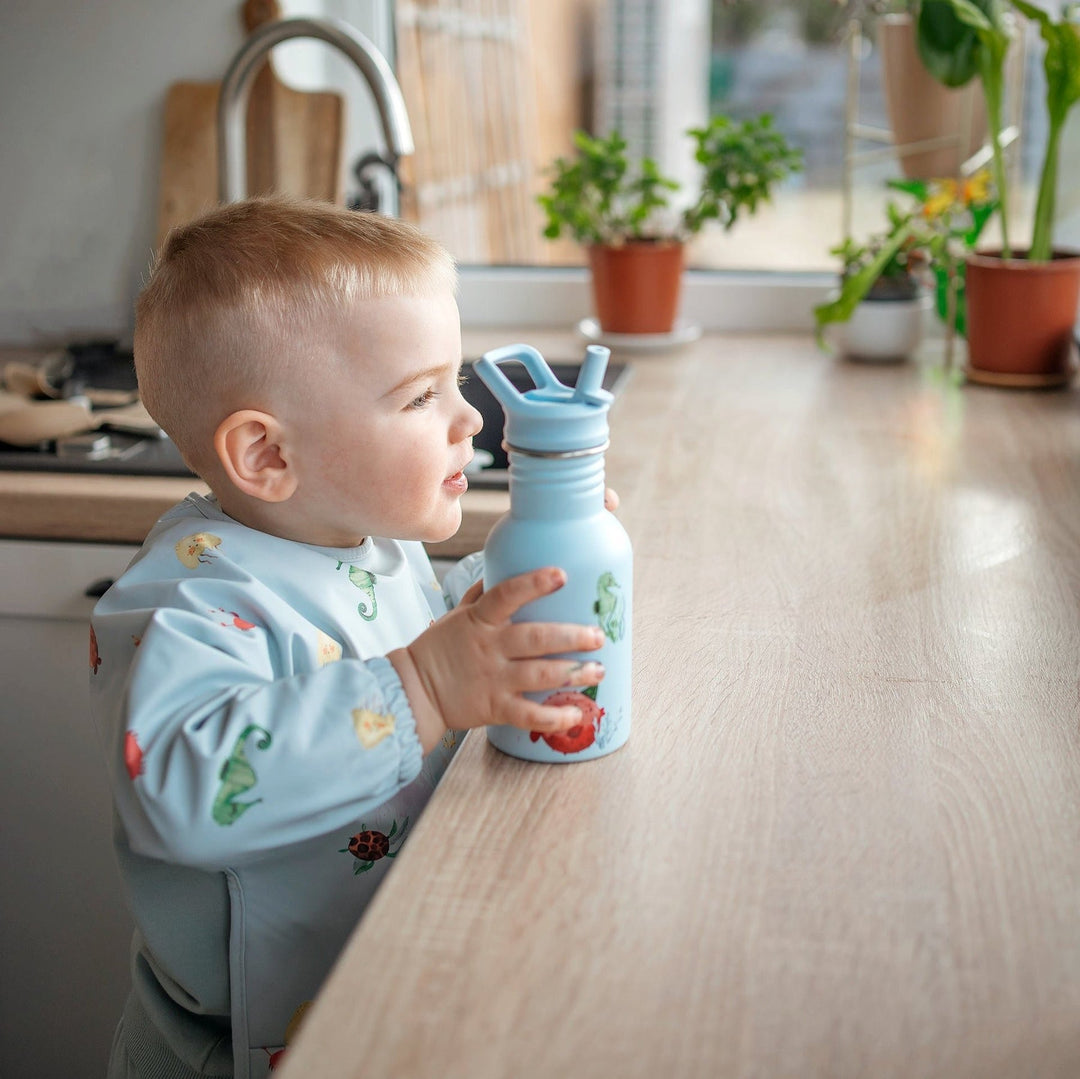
264, 762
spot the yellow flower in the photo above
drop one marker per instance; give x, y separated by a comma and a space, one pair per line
977, 187
945, 196
940, 198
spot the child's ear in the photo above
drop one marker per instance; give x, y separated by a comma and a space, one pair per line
249, 446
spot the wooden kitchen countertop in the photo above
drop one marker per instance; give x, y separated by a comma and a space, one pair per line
844, 837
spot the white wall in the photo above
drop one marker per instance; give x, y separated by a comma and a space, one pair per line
82, 90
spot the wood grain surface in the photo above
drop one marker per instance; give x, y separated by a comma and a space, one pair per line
844, 837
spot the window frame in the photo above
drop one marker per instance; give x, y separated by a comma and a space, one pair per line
716, 300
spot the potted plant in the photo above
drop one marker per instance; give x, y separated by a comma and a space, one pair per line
885, 281
881, 298
949, 122
623, 214
934, 128
1021, 304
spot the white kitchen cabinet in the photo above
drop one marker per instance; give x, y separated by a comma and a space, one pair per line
64, 927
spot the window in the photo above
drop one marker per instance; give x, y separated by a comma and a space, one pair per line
496, 87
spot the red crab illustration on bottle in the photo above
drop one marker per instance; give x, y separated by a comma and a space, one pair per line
369, 846
581, 735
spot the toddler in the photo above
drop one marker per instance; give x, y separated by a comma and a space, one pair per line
276, 676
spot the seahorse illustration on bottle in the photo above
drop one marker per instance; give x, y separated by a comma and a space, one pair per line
237, 776
367, 608
610, 607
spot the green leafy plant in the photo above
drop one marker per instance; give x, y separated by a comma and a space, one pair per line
959, 39
889, 256
923, 243
600, 197
1062, 67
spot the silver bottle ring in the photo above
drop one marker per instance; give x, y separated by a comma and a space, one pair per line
588, 452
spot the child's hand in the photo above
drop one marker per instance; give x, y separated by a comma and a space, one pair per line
471, 667
611, 500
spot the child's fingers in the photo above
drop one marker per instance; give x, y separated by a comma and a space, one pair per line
472, 593
541, 675
531, 716
526, 639
611, 499
497, 604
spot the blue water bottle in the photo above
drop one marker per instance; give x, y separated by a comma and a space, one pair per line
555, 437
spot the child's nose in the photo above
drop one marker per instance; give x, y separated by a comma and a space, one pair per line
471, 421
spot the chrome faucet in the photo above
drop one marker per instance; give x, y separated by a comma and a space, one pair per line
236, 88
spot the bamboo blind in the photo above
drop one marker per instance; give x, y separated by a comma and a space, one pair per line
466, 72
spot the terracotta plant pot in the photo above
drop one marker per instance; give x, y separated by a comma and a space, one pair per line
636, 286
1020, 318
921, 108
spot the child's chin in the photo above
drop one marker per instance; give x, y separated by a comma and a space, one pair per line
436, 526
440, 533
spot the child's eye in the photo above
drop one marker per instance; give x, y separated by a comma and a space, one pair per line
424, 399
462, 379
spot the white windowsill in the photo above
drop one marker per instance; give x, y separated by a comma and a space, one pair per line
738, 303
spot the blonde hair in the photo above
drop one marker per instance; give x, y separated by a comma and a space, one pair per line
236, 299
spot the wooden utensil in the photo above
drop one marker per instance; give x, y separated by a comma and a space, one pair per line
25, 422
294, 140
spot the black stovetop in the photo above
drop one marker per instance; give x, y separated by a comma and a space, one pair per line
86, 367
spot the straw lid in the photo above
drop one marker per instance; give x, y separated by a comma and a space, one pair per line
551, 417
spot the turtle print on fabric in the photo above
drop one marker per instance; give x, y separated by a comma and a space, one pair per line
369, 846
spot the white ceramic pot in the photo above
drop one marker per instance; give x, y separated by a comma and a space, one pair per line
883, 331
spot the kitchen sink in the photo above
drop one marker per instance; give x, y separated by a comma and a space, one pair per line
120, 453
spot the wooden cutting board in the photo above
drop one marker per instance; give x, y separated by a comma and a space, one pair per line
294, 140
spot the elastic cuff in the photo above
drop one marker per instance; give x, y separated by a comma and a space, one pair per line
395, 701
